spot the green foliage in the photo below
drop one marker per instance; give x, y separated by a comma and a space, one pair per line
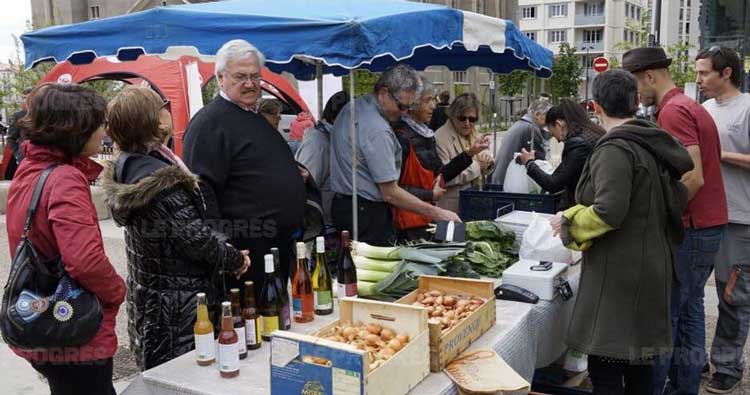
682, 68
566, 73
642, 30
458, 90
364, 82
513, 84
210, 90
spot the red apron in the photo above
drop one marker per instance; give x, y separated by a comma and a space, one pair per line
414, 175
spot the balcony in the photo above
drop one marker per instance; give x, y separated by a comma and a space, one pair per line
589, 20
595, 47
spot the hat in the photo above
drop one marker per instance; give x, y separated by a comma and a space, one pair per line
647, 58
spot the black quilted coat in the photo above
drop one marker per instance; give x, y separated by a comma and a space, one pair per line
172, 255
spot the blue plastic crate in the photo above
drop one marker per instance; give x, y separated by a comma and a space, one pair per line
491, 202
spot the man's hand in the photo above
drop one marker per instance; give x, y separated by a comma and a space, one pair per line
445, 215
437, 189
526, 156
481, 144
556, 223
485, 160
304, 173
246, 265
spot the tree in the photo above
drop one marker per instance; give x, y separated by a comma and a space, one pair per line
512, 84
682, 68
364, 82
566, 73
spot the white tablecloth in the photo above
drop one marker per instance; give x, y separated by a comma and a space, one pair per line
526, 336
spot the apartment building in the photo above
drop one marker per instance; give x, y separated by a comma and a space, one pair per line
678, 22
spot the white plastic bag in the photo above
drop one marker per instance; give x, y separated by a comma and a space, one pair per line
576, 361
516, 180
538, 244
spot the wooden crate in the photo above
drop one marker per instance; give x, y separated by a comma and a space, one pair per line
342, 368
444, 347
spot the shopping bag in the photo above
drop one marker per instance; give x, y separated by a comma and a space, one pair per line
538, 243
516, 180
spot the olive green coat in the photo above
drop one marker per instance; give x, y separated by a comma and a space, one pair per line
632, 182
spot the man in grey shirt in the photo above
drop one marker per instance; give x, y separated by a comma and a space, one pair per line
378, 160
519, 136
718, 70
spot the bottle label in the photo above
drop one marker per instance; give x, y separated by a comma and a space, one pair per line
270, 325
323, 300
241, 345
252, 332
229, 357
205, 347
347, 290
297, 307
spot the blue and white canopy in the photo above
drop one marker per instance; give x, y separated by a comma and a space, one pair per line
295, 34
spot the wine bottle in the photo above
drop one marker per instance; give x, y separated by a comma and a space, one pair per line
270, 301
239, 323
321, 279
286, 313
229, 356
250, 316
347, 272
205, 347
302, 291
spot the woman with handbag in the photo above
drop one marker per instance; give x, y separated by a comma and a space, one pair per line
64, 127
172, 253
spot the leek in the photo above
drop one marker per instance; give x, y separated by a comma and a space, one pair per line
365, 288
362, 262
366, 250
371, 275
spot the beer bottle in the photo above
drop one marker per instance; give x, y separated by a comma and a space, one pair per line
229, 356
205, 348
302, 292
347, 272
270, 301
281, 285
321, 279
238, 322
252, 321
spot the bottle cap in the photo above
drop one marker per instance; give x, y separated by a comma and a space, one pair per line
248, 283
234, 290
320, 244
301, 250
269, 263
201, 295
226, 304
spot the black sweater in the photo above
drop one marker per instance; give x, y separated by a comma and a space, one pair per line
566, 176
246, 169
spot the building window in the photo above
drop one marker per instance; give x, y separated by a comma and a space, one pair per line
593, 9
163, 3
531, 36
480, 7
592, 36
454, 4
679, 29
558, 36
638, 13
528, 12
624, 35
558, 10
687, 28
95, 12
459, 77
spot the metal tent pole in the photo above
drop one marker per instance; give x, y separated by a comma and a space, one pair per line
319, 77
353, 134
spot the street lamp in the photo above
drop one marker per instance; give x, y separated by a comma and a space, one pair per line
586, 70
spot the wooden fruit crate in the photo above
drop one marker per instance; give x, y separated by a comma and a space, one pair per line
444, 347
303, 364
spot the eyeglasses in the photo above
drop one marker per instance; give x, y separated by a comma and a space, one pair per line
244, 78
463, 118
401, 106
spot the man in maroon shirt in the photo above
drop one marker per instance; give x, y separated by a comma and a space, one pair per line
704, 219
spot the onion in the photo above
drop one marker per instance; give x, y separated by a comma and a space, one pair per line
372, 340
387, 334
374, 329
435, 293
428, 300
449, 301
386, 353
349, 332
395, 345
403, 339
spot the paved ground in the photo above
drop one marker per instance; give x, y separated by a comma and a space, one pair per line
18, 378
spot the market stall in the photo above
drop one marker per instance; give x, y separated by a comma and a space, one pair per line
526, 336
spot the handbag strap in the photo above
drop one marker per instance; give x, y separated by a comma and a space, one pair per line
35, 199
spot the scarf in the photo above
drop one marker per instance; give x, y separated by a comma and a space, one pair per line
168, 154
420, 128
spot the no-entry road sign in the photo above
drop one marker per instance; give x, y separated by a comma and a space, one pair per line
600, 64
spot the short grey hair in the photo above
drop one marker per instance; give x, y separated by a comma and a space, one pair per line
427, 88
269, 106
235, 50
463, 103
400, 78
539, 106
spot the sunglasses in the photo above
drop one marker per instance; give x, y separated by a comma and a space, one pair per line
464, 118
401, 106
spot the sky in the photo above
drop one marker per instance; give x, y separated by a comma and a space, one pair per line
13, 19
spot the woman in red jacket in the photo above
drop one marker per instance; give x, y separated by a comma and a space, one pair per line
65, 126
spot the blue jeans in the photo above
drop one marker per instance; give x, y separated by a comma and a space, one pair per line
693, 266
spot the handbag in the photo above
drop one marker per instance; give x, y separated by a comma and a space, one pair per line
42, 306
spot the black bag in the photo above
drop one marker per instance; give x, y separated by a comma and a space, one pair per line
42, 306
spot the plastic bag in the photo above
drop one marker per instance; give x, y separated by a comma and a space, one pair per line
516, 180
538, 243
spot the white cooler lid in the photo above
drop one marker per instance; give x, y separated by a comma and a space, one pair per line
522, 269
522, 218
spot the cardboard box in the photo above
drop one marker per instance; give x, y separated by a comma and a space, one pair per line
308, 364
444, 347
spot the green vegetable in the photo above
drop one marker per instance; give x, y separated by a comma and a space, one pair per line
365, 288
370, 275
362, 262
366, 250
